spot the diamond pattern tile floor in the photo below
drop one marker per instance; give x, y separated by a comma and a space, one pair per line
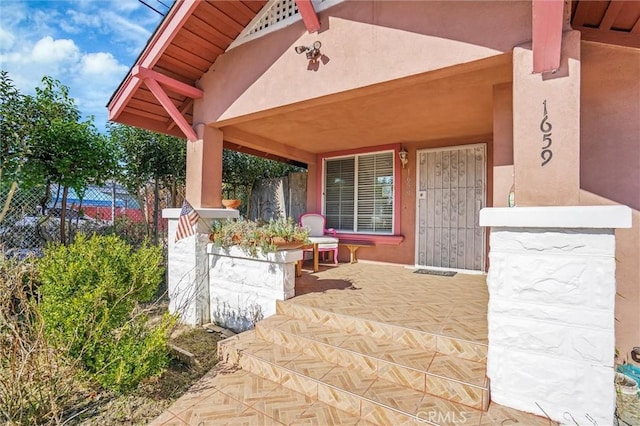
360, 344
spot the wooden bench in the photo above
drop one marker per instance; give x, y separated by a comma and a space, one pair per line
353, 247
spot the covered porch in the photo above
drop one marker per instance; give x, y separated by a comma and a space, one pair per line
359, 344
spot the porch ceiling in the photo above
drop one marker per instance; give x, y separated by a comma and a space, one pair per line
450, 103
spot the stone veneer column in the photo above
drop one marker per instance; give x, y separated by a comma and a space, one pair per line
244, 289
551, 309
188, 266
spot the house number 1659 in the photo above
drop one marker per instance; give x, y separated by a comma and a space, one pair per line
545, 128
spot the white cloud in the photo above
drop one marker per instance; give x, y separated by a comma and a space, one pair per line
50, 51
100, 64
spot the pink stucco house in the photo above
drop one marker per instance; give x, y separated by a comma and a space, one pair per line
412, 117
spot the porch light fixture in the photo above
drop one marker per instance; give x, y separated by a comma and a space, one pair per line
404, 157
312, 52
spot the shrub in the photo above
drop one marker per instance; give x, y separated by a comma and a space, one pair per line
36, 382
91, 293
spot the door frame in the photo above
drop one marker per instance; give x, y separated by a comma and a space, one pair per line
417, 201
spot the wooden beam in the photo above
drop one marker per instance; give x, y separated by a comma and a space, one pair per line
170, 83
309, 15
183, 108
266, 145
619, 38
547, 34
611, 14
171, 109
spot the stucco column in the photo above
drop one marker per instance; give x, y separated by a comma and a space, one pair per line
204, 168
546, 128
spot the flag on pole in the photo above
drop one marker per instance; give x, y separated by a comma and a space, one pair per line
188, 219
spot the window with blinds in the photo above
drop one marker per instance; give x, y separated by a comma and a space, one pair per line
359, 193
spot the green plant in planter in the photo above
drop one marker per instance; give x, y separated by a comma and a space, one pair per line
251, 235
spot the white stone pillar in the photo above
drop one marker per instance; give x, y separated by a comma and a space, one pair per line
188, 266
551, 309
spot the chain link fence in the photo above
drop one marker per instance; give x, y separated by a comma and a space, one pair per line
34, 216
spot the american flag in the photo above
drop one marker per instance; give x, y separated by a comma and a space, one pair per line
188, 218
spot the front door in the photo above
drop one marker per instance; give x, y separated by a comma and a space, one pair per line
451, 192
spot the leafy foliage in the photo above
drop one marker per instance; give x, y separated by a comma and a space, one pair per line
91, 293
17, 115
252, 236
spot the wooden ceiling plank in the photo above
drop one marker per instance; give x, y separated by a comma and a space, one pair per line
198, 26
266, 145
224, 24
146, 113
237, 10
182, 55
582, 12
615, 6
196, 45
168, 62
144, 94
154, 108
256, 6
636, 27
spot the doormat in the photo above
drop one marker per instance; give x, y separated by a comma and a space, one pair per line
434, 272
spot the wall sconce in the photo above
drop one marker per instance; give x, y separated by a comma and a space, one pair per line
404, 157
312, 52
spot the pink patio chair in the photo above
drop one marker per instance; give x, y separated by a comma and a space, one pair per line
315, 224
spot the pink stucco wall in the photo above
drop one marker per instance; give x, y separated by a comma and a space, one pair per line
365, 43
610, 164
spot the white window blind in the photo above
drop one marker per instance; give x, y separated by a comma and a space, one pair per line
359, 193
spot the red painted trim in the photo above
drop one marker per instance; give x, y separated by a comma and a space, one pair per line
372, 238
168, 82
164, 100
168, 29
397, 184
309, 15
547, 19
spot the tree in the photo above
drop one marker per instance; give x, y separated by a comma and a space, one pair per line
148, 157
17, 116
65, 150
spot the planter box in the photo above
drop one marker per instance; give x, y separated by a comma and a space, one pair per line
243, 289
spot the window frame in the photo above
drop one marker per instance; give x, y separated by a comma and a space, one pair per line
397, 174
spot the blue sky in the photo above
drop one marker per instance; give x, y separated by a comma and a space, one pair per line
89, 45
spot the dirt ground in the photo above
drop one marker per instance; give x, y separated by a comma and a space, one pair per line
155, 395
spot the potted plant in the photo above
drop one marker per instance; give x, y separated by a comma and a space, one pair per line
251, 236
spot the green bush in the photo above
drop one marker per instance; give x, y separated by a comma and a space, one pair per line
90, 300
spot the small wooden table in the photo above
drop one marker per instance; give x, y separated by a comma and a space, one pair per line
353, 247
316, 266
